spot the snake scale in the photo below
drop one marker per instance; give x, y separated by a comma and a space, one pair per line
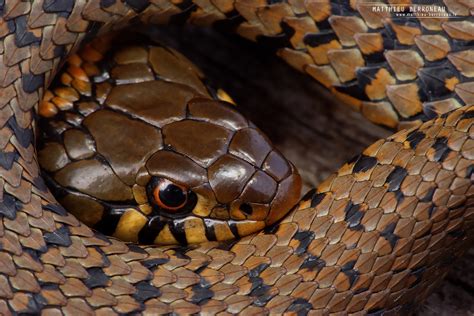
375, 238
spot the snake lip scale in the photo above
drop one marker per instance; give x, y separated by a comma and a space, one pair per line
376, 237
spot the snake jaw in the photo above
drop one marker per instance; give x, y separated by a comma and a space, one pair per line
147, 226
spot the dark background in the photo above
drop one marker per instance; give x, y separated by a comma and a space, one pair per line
312, 129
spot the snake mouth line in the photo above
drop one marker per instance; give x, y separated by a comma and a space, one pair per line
130, 224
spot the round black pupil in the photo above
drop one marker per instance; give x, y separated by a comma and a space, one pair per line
172, 196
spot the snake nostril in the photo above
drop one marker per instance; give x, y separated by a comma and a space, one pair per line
246, 208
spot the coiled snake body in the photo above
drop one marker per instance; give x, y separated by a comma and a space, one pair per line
376, 237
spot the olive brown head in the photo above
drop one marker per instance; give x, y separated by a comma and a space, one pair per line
155, 161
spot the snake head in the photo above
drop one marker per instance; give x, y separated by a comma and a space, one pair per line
217, 177
203, 177
154, 161
215, 192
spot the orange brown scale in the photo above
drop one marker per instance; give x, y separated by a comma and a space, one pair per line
187, 167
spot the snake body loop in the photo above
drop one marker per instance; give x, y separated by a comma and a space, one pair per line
375, 237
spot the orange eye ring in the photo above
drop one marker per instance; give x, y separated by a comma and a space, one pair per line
169, 196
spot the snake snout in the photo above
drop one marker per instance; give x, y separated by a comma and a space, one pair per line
266, 194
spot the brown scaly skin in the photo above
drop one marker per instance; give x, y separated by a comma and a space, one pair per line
233, 182
409, 215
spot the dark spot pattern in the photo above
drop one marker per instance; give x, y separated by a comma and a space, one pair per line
441, 149
467, 115
22, 36
152, 264
429, 195
201, 294
32, 82
353, 89
271, 229
300, 306
273, 43
97, 278
109, 221
305, 238
145, 291
316, 39
259, 290
262, 295
350, 272
395, 178
246, 208
389, 235
59, 237
433, 80
8, 206
210, 230
32, 306
308, 195
58, 6
317, 198
399, 196
353, 216
59, 51
313, 263
233, 228
365, 75
255, 272
364, 163
40, 300
38, 182
177, 229
23, 135
415, 137
137, 249
55, 208
149, 232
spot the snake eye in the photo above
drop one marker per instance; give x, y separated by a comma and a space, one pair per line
168, 196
